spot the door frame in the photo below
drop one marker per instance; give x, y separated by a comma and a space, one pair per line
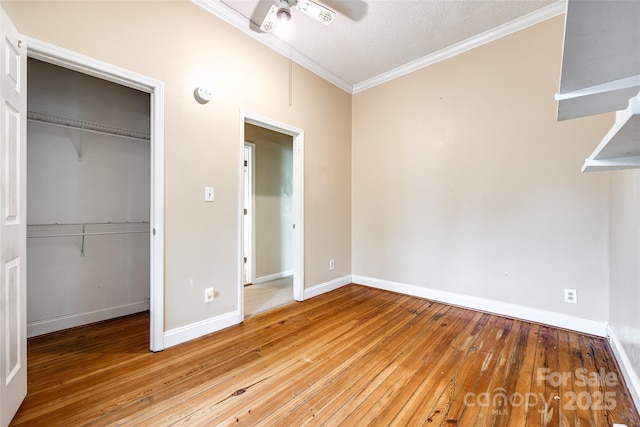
65, 58
298, 200
250, 218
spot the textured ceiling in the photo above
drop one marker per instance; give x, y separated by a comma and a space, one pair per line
371, 37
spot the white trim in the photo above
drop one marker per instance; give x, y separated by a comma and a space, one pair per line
298, 217
493, 34
251, 215
41, 327
56, 55
628, 372
234, 18
196, 330
327, 286
593, 165
491, 306
631, 82
271, 277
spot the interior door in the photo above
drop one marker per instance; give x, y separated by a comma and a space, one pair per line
13, 305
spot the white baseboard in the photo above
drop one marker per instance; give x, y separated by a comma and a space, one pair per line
628, 371
271, 277
196, 330
326, 287
496, 307
189, 332
46, 326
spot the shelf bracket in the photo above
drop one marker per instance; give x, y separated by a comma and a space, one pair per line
77, 139
83, 234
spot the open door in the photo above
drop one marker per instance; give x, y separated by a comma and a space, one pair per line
13, 304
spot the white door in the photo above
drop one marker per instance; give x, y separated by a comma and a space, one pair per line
13, 306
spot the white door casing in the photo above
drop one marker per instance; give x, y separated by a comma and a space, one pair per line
13, 241
298, 201
249, 217
65, 58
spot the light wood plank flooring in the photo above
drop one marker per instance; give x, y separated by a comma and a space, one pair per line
354, 356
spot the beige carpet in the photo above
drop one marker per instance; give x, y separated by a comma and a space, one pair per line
264, 296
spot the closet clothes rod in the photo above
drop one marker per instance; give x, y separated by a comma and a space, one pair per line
85, 233
88, 233
87, 126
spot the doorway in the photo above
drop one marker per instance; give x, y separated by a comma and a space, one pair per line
271, 214
53, 55
88, 198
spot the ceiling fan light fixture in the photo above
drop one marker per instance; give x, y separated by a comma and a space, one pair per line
271, 20
316, 11
284, 11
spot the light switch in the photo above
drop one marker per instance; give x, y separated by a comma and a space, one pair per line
208, 194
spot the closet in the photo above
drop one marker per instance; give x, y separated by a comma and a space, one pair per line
88, 199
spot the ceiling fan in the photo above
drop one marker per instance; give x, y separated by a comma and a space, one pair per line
282, 11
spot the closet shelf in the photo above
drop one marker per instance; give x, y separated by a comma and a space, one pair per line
620, 147
600, 62
601, 73
86, 126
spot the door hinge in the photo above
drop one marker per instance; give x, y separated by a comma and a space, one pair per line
245, 260
245, 211
246, 163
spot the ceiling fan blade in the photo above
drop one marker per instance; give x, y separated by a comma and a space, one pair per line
270, 21
316, 11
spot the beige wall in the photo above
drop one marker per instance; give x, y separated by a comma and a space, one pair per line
180, 44
463, 181
454, 177
273, 197
625, 263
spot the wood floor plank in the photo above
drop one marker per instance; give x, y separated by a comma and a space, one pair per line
353, 365
343, 381
235, 410
584, 415
353, 356
567, 414
231, 380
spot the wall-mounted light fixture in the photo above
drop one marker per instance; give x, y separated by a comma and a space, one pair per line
202, 94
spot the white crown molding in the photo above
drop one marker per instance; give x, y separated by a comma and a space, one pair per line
232, 17
222, 11
521, 23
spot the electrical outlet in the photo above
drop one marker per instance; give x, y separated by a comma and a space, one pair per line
209, 294
332, 264
570, 295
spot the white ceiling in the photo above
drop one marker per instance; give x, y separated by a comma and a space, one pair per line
372, 41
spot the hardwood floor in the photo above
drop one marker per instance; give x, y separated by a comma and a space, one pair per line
354, 356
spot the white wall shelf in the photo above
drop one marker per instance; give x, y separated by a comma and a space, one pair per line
87, 126
601, 73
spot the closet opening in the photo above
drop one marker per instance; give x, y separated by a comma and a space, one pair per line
89, 199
